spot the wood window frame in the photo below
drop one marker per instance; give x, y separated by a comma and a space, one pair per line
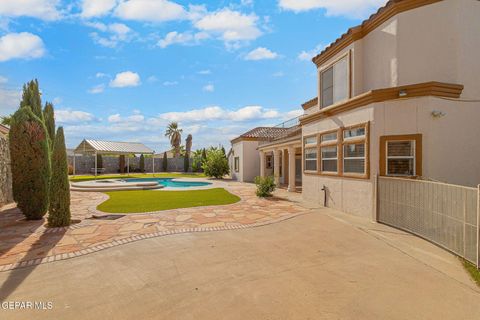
347, 55
418, 138
340, 143
310, 146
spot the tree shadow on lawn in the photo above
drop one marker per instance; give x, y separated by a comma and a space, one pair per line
38, 250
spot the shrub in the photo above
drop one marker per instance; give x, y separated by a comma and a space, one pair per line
165, 162
59, 209
70, 169
30, 154
49, 119
142, 163
197, 161
216, 165
265, 186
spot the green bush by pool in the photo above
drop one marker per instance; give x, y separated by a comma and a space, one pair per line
151, 200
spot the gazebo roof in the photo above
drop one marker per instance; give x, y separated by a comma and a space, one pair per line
111, 147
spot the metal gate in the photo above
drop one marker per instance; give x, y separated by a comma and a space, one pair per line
444, 214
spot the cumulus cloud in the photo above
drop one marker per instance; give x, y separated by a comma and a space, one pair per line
113, 33
261, 54
41, 9
209, 88
10, 100
97, 8
205, 72
219, 113
116, 118
170, 83
73, 116
22, 45
125, 79
186, 38
348, 8
97, 89
150, 10
230, 26
309, 54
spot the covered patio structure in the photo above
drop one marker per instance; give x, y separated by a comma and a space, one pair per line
96, 147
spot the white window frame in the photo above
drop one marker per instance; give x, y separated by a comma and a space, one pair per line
310, 159
328, 159
414, 158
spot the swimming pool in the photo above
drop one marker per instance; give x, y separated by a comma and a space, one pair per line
170, 182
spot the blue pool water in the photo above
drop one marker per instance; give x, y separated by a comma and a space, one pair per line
168, 182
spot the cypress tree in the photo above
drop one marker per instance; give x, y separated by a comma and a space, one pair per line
30, 154
31, 98
204, 155
186, 163
49, 118
142, 163
59, 209
165, 162
121, 163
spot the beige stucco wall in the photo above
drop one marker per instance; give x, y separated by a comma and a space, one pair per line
249, 161
450, 147
437, 42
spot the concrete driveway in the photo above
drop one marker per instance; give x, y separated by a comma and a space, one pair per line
322, 265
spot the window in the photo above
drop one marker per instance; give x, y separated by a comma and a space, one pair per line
330, 159
401, 155
269, 162
237, 164
354, 133
401, 158
335, 83
328, 137
311, 159
311, 140
354, 158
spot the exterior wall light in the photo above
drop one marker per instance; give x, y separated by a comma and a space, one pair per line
438, 114
402, 93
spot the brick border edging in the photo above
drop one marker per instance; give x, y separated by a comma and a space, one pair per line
115, 243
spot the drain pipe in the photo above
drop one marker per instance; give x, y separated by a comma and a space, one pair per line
324, 189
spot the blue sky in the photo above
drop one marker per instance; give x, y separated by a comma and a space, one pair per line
122, 69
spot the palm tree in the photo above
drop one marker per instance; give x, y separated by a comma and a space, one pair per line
175, 135
188, 145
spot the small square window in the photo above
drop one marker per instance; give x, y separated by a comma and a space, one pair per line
401, 158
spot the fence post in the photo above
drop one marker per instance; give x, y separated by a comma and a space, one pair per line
375, 198
478, 226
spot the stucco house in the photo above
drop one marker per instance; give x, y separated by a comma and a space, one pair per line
4, 130
398, 95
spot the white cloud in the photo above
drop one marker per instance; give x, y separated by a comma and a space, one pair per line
57, 101
3, 80
209, 88
218, 113
278, 74
97, 8
114, 33
72, 116
97, 89
170, 83
205, 72
22, 45
348, 8
230, 26
186, 38
41, 9
308, 55
116, 118
152, 79
101, 75
125, 79
10, 100
261, 54
150, 10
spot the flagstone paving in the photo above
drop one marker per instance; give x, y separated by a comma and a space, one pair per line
24, 243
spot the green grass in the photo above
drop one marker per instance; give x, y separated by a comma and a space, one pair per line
472, 270
151, 200
138, 175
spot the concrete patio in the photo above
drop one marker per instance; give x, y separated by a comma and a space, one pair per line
321, 265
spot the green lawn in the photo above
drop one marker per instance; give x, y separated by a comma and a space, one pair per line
151, 200
138, 175
472, 270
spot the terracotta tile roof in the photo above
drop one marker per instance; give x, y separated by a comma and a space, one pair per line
310, 103
390, 9
262, 133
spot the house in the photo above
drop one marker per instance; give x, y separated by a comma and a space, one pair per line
397, 96
4, 130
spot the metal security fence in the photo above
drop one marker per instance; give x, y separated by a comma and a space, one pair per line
444, 214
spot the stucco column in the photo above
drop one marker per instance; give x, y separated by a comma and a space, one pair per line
262, 164
276, 166
291, 169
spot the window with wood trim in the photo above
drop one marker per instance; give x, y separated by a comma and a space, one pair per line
311, 153
335, 82
401, 155
355, 150
329, 152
